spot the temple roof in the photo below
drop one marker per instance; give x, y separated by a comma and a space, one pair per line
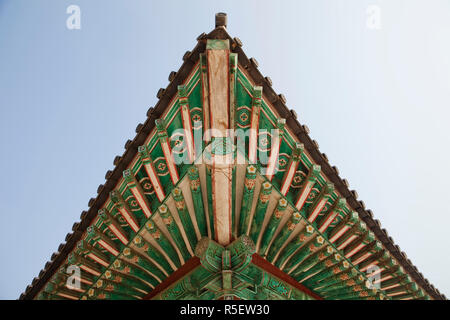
300, 132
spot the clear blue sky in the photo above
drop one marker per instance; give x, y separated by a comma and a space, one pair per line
377, 101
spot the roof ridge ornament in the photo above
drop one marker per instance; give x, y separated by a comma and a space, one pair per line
221, 19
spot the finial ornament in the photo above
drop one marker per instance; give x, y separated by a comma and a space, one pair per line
221, 19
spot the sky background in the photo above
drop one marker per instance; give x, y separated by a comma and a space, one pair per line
377, 102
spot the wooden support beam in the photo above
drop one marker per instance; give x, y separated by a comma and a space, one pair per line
299, 261
84, 264
331, 215
307, 186
320, 201
113, 225
222, 195
196, 192
136, 258
272, 166
218, 63
372, 260
358, 245
272, 226
300, 239
284, 234
187, 124
167, 150
217, 53
366, 252
59, 279
101, 239
351, 235
138, 193
265, 265
254, 125
174, 230
345, 225
127, 268
205, 96
151, 172
124, 210
209, 201
126, 280
233, 61
106, 285
338, 280
399, 281
163, 242
324, 268
291, 168
314, 257
187, 268
185, 217
93, 253
260, 211
84, 278
247, 199
153, 253
58, 290
96, 294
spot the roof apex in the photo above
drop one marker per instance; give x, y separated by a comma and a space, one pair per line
219, 33
221, 19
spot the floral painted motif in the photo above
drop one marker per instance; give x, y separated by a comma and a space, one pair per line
147, 186
291, 226
133, 203
156, 234
243, 117
249, 183
328, 263
278, 213
264, 197
195, 184
179, 205
302, 237
168, 221
162, 166
109, 288
343, 276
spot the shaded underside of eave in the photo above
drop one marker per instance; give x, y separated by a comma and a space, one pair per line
192, 264
300, 131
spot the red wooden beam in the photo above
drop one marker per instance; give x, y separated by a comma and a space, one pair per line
257, 260
189, 266
262, 263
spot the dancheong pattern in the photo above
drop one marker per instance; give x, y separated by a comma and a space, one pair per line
266, 224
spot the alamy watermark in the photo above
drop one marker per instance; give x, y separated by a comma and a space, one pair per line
227, 147
373, 17
73, 22
373, 277
74, 279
